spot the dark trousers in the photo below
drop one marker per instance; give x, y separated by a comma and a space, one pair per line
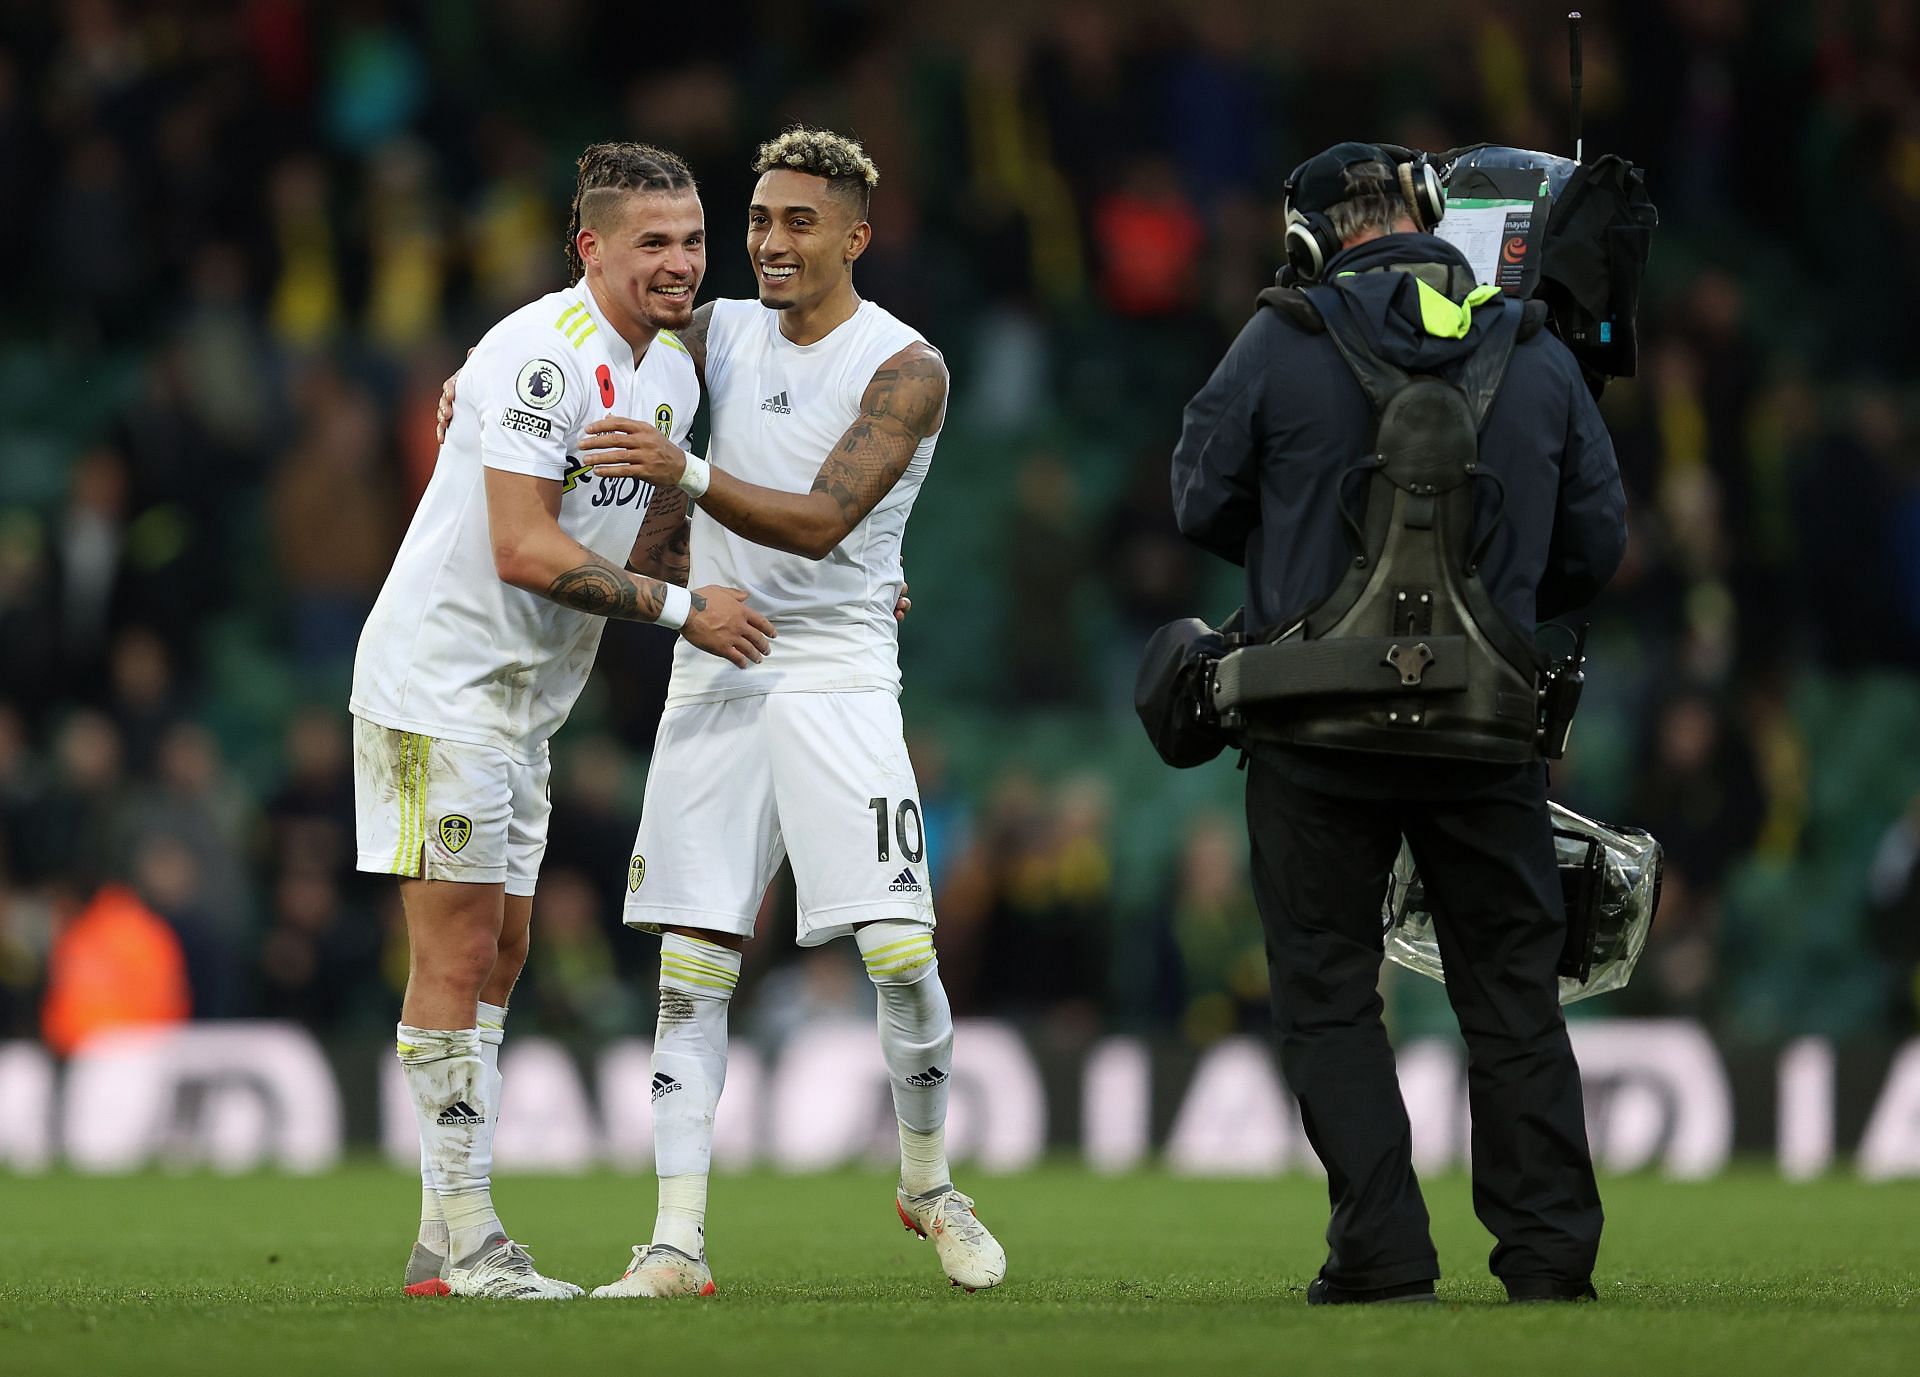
1326, 827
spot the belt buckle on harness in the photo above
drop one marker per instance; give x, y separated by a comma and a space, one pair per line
1411, 662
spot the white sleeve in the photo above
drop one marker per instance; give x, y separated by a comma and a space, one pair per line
530, 399
721, 326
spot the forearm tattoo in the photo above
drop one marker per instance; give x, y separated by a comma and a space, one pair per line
600, 589
903, 405
676, 555
664, 548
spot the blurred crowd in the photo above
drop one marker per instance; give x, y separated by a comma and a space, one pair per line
247, 240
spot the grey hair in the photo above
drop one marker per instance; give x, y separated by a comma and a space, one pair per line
1373, 201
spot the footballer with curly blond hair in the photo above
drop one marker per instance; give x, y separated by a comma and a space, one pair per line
825, 413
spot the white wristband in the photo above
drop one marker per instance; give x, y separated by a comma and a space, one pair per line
674, 612
698, 475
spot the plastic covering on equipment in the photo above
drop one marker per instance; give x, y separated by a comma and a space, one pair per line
1611, 879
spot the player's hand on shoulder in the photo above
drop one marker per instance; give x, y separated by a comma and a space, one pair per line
444, 416
722, 624
619, 447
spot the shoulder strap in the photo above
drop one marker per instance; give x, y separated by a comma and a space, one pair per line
1480, 378
1292, 304
1379, 379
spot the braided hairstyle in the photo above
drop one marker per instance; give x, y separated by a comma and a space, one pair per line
606, 169
840, 160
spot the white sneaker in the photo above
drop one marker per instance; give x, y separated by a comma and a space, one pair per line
971, 1257
660, 1269
425, 1268
503, 1270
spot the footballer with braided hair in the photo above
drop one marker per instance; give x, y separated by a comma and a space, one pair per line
480, 642
825, 413
608, 169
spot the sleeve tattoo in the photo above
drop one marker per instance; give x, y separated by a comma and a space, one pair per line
663, 549
904, 404
695, 338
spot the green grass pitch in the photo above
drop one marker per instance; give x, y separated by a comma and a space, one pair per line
286, 1277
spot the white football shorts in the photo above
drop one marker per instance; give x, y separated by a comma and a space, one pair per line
737, 785
447, 810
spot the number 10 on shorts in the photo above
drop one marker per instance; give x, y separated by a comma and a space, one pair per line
883, 836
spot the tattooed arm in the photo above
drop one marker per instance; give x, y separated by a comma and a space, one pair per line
905, 403
599, 588
663, 549
530, 551
695, 338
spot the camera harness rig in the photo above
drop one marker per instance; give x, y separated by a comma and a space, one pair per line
1409, 654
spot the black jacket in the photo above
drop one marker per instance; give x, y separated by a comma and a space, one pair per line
1263, 444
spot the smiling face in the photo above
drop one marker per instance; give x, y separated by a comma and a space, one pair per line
645, 253
802, 237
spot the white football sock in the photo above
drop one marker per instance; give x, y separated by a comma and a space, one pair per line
916, 1041
433, 1223
923, 1161
689, 1070
681, 1219
452, 1098
493, 1030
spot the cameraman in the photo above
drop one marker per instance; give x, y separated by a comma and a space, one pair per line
1267, 449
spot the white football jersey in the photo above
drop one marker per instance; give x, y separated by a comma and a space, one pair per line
779, 408
450, 650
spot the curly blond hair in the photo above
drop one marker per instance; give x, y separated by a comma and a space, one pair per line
821, 153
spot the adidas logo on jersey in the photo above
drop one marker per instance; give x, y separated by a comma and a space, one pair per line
663, 1084
933, 1075
904, 883
460, 1112
777, 404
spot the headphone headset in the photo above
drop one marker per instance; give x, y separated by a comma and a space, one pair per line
1310, 243
1310, 240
